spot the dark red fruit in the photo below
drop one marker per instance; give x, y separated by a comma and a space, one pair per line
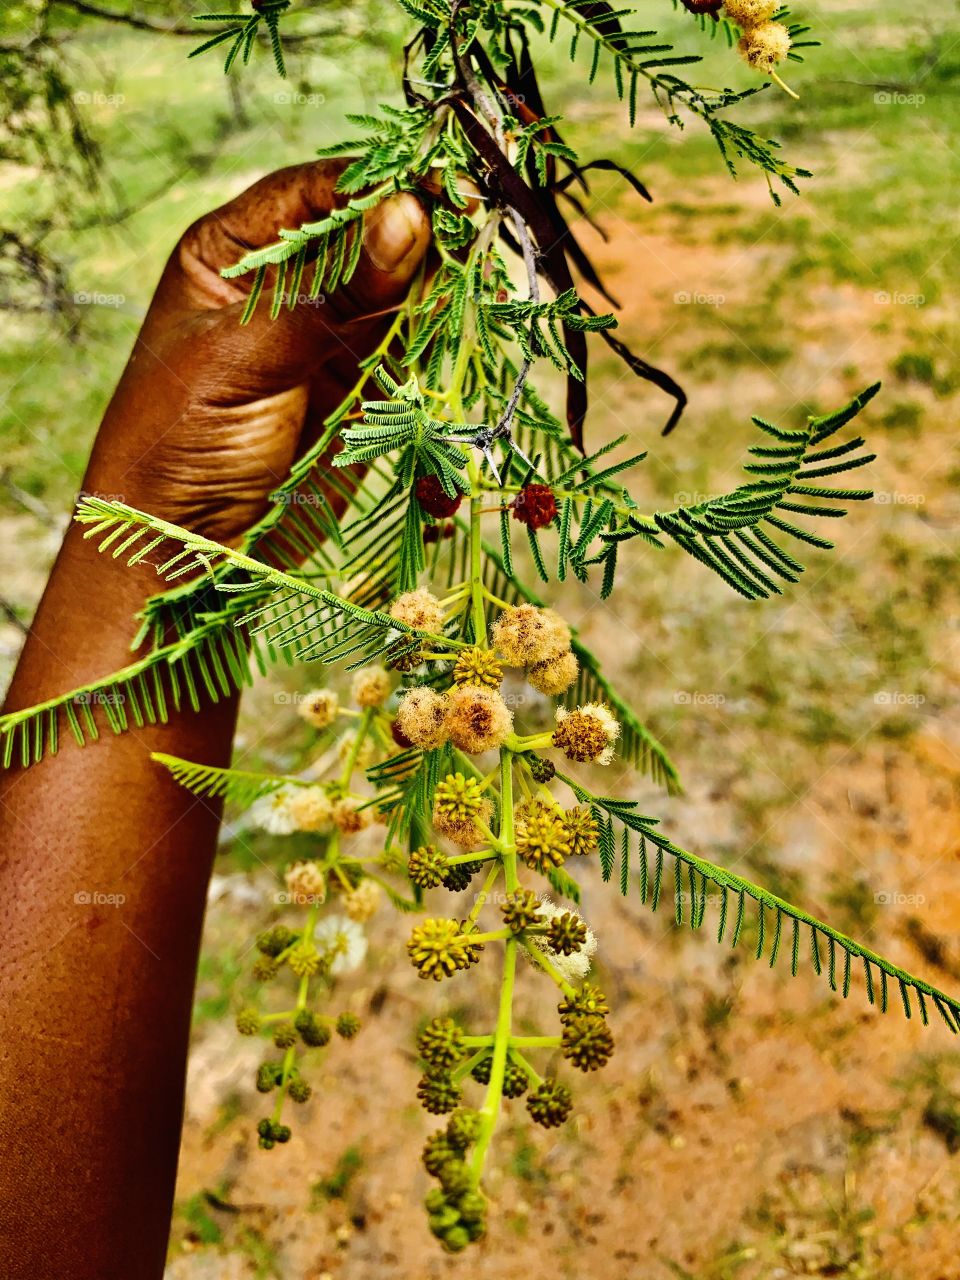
535, 506
703, 6
399, 737
434, 500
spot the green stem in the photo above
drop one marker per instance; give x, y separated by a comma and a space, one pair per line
478, 614
501, 1037
363, 728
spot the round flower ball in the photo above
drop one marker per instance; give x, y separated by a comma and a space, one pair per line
370, 687
422, 718
419, 609
587, 734
750, 13
309, 808
556, 675
764, 46
526, 635
478, 719
319, 708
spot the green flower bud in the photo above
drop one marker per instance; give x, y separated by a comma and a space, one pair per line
587, 1042
550, 1104
248, 1022
348, 1024
438, 1093
285, 1035
441, 1043
313, 1033
299, 1090
273, 941
463, 1127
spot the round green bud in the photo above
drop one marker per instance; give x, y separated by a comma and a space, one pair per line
348, 1024
266, 1077
472, 1207
248, 1022
313, 1033
285, 1035
299, 1090
455, 1178
456, 1239
435, 1201
273, 941
463, 1127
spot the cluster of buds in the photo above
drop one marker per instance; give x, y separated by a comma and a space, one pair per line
587, 1042
456, 1209
300, 1028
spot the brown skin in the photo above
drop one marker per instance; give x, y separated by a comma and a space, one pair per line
96, 994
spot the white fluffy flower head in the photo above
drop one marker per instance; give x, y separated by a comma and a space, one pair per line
344, 941
273, 813
575, 967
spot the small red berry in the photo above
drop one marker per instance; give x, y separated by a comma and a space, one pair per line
434, 499
535, 506
399, 737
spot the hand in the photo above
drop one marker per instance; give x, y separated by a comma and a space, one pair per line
95, 1019
209, 415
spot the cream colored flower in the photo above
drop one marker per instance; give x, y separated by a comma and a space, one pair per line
749, 13
349, 817
422, 718
370, 687
319, 708
525, 635
361, 903
271, 813
478, 719
419, 609
306, 883
764, 46
555, 675
310, 808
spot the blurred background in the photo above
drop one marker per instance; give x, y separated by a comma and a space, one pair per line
750, 1125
